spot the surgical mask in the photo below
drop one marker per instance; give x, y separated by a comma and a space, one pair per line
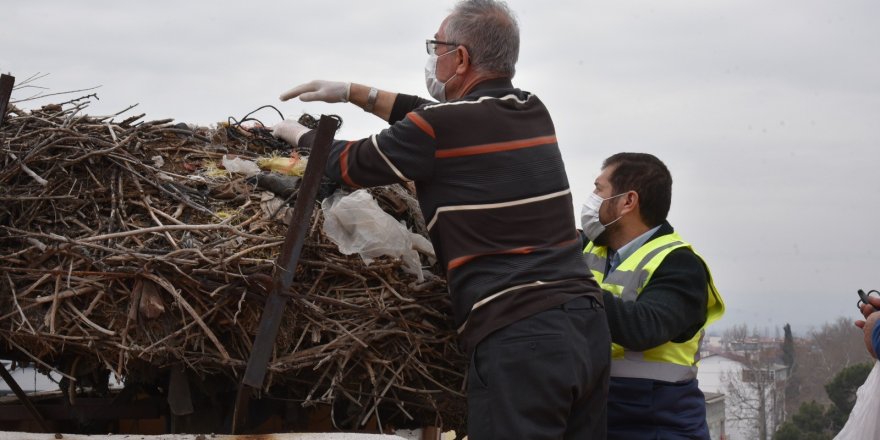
590, 216
436, 88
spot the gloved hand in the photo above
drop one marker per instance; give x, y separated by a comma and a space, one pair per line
319, 90
290, 131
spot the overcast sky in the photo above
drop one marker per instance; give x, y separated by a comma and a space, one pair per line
767, 112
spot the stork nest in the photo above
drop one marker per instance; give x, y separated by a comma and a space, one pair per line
126, 242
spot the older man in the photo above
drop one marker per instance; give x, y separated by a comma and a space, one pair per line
659, 296
492, 186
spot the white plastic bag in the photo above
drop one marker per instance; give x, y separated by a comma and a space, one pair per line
356, 224
863, 420
238, 165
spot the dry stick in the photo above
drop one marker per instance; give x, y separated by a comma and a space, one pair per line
165, 228
148, 206
57, 296
173, 291
176, 196
54, 309
146, 200
24, 319
29, 171
36, 284
171, 335
246, 251
336, 267
89, 322
99, 152
94, 303
162, 214
385, 390
37, 360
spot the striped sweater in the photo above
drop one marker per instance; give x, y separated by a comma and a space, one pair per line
492, 187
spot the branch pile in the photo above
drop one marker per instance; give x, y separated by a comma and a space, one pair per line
124, 242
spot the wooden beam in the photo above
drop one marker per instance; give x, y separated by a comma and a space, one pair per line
6, 84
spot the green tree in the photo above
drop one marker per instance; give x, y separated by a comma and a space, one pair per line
792, 385
842, 392
810, 422
815, 421
788, 347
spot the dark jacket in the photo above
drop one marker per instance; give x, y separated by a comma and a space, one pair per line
493, 190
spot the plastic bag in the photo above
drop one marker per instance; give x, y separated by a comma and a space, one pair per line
863, 420
356, 224
238, 165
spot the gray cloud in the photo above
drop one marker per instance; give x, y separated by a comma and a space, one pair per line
764, 111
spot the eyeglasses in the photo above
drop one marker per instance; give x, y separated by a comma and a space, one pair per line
431, 45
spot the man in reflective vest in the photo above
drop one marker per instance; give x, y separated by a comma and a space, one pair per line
659, 297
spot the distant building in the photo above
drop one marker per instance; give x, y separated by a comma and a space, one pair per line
754, 394
715, 417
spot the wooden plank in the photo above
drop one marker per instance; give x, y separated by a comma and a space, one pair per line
89, 408
279, 436
6, 84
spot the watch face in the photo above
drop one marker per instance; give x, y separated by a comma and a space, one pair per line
371, 99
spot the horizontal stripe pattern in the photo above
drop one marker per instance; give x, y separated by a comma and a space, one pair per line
496, 205
491, 182
422, 124
495, 148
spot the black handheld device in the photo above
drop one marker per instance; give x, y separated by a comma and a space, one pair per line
863, 298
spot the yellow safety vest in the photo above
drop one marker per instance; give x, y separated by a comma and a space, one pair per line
671, 361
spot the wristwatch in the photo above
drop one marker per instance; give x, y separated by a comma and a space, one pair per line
371, 99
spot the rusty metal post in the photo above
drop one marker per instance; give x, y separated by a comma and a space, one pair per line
285, 268
6, 84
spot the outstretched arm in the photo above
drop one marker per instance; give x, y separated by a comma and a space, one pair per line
378, 103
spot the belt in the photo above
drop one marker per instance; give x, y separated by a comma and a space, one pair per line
580, 303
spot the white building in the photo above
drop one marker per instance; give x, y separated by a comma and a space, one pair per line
715, 417
754, 394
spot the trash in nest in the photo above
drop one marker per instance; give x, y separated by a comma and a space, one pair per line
279, 184
238, 165
356, 224
290, 166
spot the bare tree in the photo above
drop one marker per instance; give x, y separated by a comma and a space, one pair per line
755, 394
820, 356
738, 332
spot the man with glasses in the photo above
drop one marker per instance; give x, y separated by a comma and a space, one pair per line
492, 186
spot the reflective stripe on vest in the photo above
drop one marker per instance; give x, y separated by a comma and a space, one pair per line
670, 362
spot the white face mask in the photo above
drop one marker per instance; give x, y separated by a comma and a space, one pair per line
436, 88
590, 216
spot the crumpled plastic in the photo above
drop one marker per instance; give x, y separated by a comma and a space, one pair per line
357, 225
238, 165
863, 422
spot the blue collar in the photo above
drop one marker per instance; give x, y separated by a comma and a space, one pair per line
628, 249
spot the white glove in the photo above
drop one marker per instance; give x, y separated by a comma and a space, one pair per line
290, 131
318, 90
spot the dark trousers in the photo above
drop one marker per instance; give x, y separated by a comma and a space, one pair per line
544, 377
645, 409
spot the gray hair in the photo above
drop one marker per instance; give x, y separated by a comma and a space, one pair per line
489, 30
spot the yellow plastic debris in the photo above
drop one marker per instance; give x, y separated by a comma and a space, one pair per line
291, 166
